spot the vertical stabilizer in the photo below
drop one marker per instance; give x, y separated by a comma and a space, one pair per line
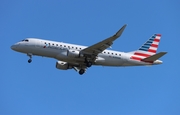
149, 48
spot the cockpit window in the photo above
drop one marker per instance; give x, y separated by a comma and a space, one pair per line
26, 40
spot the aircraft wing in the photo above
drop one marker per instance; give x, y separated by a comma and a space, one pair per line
99, 47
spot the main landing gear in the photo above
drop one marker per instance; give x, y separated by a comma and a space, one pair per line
81, 71
30, 56
88, 63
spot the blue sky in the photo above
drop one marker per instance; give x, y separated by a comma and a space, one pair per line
40, 88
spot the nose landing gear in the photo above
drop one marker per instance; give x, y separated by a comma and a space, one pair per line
30, 60
30, 56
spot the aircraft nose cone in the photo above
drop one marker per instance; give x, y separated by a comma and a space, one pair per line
13, 47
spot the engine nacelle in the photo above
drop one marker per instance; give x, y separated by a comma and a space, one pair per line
73, 53
63, 65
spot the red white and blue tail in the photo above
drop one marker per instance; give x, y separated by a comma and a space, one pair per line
147, 49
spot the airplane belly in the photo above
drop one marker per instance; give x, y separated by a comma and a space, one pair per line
46, 52
109, 61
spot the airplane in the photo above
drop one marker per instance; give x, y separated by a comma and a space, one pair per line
80, 58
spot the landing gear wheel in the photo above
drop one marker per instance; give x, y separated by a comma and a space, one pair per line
30, 60
81, 71
30, 56
88, 64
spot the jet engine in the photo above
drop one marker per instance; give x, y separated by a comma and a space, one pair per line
63, 65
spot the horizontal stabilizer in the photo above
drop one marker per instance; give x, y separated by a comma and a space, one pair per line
154, 57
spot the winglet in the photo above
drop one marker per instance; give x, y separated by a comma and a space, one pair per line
118, 34
154, 57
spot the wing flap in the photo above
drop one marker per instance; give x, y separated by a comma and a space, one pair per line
154, 57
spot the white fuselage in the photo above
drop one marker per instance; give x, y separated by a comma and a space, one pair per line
59, 51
